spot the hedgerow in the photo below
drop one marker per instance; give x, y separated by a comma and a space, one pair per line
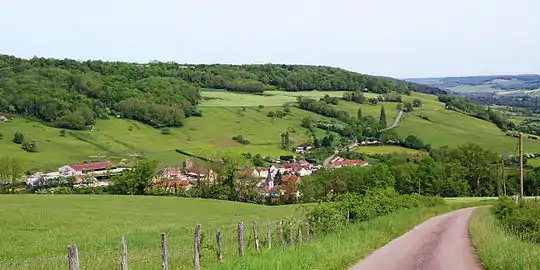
350, 207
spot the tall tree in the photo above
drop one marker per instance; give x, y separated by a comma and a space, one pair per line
359, 114
382, 119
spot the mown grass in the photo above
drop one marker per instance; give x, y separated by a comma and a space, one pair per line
498, 249
342, 249
35, 227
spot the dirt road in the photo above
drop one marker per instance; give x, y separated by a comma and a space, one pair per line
440, 243
396, 122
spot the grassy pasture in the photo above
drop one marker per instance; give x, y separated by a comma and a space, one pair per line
35, 226
209, 135
446, 127
384, 149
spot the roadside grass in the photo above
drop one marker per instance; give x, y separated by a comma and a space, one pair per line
384, 149
39, 226
498, 249
453, 129
342, 249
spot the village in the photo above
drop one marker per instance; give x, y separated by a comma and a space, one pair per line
270, 180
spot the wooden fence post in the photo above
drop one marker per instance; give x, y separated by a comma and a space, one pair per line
308, 237
269, 235
164, 264
197, 248
281, 238
291, 235
123, 261
73, 257
218, 242
299, 232
255, 235
241, 239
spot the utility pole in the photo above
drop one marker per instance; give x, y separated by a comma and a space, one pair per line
521, 165
498, 182
502, 176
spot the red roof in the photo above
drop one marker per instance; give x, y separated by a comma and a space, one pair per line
92, 166
172, 183
288, 177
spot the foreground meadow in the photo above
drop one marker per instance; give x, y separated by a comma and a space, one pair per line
36, 227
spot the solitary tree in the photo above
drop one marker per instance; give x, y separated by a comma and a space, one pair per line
285, 141
359, 113
382, 119
18, 138
326, 142
417, 102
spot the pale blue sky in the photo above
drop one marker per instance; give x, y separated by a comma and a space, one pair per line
399, 38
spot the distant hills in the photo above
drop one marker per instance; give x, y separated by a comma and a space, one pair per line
524, 84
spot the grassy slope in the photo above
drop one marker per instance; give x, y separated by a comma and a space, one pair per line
497, 249
41, 226
211, 134
340, 250
204, 136
384, 149
451, 128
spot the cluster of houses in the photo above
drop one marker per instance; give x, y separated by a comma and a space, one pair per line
275, 180
92, 174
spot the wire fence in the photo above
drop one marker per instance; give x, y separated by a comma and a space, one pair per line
180, 248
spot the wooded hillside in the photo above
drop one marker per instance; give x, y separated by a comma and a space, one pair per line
72, 94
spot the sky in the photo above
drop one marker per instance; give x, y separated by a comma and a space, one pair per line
396, 38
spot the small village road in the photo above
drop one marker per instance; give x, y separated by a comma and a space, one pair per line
440, 243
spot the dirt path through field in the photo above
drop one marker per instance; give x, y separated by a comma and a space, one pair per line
440, 243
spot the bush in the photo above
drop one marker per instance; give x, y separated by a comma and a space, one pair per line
240, 139
271, 114
29, 146
18, 138
522, 219
376, 202
165, 131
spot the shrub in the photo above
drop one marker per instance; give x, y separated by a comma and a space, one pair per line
165, 131
522, 219
240, 139
18, 138
29, 146
375, 202
271, 114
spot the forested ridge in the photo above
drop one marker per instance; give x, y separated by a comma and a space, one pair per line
72, 94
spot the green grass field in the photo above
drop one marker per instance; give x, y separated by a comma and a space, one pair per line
446, 127
35, 226
210, 135
384, 149
498, 249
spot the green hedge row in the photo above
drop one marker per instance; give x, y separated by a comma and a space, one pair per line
522, 219
350, 207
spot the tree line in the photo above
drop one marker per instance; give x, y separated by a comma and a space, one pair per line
73, 94
469, 170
